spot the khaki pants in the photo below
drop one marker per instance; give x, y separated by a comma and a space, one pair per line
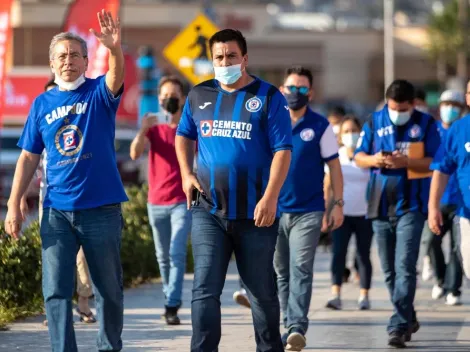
84, 286
464, 227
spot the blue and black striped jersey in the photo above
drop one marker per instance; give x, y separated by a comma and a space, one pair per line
238, 133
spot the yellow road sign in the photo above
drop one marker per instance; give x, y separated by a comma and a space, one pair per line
189, 50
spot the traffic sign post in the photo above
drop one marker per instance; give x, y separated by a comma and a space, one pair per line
189, 51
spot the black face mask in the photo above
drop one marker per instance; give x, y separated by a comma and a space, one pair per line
171, 105
296, 101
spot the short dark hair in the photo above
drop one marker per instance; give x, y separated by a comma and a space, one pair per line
301, 71
337, 110
353, 119
401, 91
420, 94
171, 79
50, 83
229, 35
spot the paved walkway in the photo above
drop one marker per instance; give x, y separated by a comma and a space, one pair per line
443, 329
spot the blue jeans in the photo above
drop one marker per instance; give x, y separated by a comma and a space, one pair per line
98, 231
293, 261
362, 228
398, 241
214, 240
170, 227
448, 276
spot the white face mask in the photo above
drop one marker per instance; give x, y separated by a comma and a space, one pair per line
69, 85
336, 129
228, 74
349, 140
399, 118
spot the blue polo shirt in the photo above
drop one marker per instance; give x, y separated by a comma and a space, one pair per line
238, 133
314, 144
451, 194
456, 159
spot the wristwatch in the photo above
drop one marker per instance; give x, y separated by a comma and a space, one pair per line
339, 203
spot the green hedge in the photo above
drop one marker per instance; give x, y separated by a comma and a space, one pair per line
20, 261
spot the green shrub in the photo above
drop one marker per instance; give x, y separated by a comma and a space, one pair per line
20, 274
20, 261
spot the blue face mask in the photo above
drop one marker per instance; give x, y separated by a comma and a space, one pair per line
228, 74
449, 113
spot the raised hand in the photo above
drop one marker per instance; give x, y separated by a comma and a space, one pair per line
110, 35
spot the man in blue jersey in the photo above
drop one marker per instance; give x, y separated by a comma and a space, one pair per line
302, 204
454, 159
449, 277
75, 124
397, 144
244, 139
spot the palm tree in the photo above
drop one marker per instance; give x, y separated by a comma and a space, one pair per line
445, 39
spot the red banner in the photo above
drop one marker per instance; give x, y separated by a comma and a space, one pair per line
5, 39
81, 16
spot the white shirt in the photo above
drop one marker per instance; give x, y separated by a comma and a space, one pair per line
355, 182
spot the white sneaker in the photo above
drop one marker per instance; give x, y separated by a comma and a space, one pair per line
364, 303
437, 292
241, 298
428, 273
452, 300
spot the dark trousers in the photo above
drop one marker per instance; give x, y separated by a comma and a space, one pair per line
448, 276
213, 241
362, 228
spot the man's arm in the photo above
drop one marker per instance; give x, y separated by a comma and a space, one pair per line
336, 179
280, 141
278, 173
438, 185
419, 165
367, 161
115, 75
25, 168
364, 155
110, 37
335, 219
185, 150
141, 139
138, 145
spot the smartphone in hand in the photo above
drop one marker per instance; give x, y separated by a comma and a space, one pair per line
195, 197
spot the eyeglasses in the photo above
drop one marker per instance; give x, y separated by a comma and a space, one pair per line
302, 90
73, 56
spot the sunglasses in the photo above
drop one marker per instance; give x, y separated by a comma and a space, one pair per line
302, 90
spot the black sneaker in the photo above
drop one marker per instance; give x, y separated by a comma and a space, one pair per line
413, 330
171, 316
296, 340
284, 339
396, 339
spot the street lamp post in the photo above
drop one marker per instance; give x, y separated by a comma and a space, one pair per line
389, 52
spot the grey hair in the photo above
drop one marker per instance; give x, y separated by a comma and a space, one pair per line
67, 36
